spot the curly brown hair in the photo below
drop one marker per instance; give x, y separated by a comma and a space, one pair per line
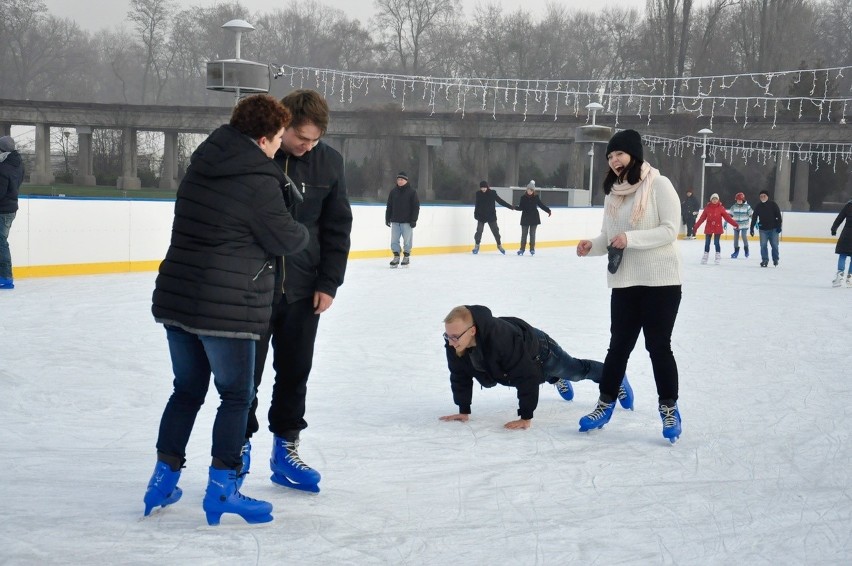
307, 105
260, 116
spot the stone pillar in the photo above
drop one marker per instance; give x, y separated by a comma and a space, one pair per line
344, 149
480, 165
42, 173
168, 176
800, 187
426, 173
579, 161
129, 181
782, 179
5, 129
513, 150
85, 158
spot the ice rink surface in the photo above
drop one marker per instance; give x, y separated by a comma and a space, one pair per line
761, 474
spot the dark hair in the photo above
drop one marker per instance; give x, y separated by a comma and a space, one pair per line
260, 116
632, 173
307, 105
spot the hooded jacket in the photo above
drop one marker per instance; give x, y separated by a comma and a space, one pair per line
11, 177
485, 209
506, 351
844, 243
230, 222
713, 214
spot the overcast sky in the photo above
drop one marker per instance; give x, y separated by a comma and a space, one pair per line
96, 14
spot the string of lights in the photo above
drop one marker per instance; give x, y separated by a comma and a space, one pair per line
731, 149
740, 97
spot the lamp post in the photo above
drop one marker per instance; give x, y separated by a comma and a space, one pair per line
594, 108
238, 27
705, 132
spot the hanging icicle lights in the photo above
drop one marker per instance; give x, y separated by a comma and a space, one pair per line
741, 97
728, 149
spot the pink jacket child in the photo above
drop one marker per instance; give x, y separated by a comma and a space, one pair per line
713, 213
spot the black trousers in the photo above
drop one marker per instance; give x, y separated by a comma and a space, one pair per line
494, 230
652, 310
690, 224
292, 330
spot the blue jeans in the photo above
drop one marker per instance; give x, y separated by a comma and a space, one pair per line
194, 357
841, 262
6, 219
406, 232
715, 238
740, 232
557, 364
770, 236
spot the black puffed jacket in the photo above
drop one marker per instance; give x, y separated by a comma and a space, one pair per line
529, 205
509, 348
230, 223
325, 211
11, 177
403, 205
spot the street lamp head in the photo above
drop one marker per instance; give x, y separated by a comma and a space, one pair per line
594, 108
238, 27
705, 132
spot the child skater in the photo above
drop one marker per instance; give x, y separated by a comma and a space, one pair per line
741, 211
713, 213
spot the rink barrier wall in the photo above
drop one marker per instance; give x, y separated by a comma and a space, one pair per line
79, 236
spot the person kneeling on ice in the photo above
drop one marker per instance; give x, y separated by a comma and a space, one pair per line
508, 351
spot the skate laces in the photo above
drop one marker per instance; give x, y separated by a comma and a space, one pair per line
293, 456
562, 386
600, 410
622, 393
668, 415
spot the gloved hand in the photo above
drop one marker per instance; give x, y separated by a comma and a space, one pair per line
548, 214
778, 229
695, 213
834, 232
412, 224
388, 225
751, 232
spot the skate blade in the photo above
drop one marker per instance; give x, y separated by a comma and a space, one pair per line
283, 481
236, 522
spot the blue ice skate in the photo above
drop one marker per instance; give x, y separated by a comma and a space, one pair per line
223, 496
475, 249
162, 488
289, 470
565, 389
597, 418
625, 394
671, 421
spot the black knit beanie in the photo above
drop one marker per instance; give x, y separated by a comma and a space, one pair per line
628, 141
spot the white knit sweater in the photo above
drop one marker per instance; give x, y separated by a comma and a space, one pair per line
651, 257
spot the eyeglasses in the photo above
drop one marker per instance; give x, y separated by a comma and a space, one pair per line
450, 338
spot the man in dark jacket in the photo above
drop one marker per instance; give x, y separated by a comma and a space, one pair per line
843, 249
485, 212
214, 296
767, 215
401, 215
311, 279
11, 177
508, 351
689, 210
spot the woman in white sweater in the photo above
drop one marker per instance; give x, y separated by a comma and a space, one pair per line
639, 233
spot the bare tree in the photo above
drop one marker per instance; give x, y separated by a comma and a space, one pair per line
150, 19
406, 25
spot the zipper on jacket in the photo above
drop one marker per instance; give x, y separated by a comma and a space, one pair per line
264, 266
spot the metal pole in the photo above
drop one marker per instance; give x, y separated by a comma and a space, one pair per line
591, 169
703, 167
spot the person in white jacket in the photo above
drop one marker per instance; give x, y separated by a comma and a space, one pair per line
641, 222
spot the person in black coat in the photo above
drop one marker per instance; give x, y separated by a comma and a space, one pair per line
11, 177
508, 351
689, 208
530, 218
843, 249
485, 212
401, 213
213, 293
767, 215
311, 279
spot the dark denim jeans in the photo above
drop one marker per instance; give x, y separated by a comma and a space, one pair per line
194, 357
557, 364
6, 219
770, 236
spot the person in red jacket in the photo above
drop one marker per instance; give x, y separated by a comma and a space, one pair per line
713, 213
